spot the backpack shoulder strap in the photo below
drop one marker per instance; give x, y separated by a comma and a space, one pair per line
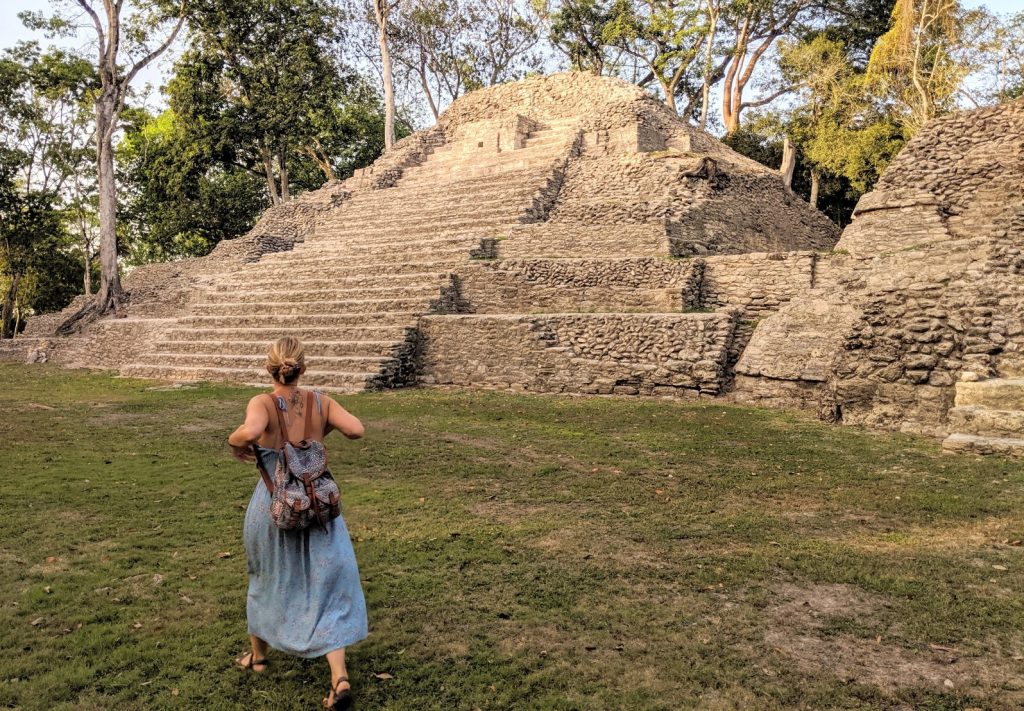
308, 424
264, 474
277, 403
320, 411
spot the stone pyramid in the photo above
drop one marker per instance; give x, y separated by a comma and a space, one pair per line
562, 233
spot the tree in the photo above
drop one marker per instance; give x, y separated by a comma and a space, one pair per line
713, 10
754, 26
30, 232
382, 10
178, 200
454, 46
46, 118
260, 87
916, 61
578, 28
119, 35
665, 36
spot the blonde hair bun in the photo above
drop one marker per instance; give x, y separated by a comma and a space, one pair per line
286, 360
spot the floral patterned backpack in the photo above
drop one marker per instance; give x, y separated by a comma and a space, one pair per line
302, 490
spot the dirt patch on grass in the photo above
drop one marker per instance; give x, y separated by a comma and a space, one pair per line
796, 632
507, 513
950, 537
600, 547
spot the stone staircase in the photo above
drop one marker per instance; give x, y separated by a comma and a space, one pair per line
354, 290
988, 415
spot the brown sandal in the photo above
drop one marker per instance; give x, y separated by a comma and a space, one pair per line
252, 663
343, 700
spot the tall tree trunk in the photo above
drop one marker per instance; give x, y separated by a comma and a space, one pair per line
87, 276
670, 96
268, 173
110, 296
283, 163
815, 181
788, 164
422, 71
8, 307
705, 90
380, 11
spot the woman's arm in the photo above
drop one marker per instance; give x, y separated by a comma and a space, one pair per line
338, 418
242, 439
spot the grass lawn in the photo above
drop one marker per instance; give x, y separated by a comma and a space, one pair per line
517, 552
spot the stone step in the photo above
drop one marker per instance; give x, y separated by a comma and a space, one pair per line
482, 158
381, 232
308, 320
260, 348
343, 269
443, 206
428, 226
493, 178
358, 247
328, 258
358, 364
332, 381
542, 137
268, 334
978, 420
233, 281
977, 444
454, 249
325, 293
244, 280
291, 308
456, 171
438, 230
995, 393
465, 186
503, 209
1011, 367
459, 192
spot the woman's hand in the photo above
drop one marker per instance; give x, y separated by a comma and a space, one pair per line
243, 454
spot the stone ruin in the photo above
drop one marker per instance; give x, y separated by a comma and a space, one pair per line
570, 234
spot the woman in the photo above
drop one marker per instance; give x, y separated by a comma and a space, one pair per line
304, 593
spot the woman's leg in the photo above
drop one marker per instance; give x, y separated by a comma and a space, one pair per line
257, 658
337, 661
260, 649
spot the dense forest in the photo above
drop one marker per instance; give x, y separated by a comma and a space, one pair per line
265, 99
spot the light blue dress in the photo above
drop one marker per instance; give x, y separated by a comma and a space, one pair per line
304, 596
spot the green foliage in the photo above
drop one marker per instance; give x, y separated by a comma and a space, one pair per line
33, 267
179, 200
665, 37
858, 151
922, 60
761, 140
260, 88
579, 29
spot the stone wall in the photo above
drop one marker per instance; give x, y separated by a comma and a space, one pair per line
625, 354
565, 239
583, 285
737, 211
756, 284
387, 170
925, 286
